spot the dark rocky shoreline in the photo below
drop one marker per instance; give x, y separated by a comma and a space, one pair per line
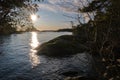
65, 46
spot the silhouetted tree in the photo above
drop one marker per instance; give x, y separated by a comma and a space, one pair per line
106, 34
16, 12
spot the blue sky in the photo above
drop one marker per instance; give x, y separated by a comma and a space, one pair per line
51, 13
51, 20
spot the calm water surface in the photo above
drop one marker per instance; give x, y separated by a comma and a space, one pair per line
18, 59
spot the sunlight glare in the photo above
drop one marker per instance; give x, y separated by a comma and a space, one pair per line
33, 57
33, 17
34, 40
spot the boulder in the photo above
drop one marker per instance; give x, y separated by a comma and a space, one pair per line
61, 46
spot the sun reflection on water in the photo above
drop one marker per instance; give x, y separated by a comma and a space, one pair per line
34, 43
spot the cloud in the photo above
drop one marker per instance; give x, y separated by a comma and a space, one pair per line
65, 6
48, 7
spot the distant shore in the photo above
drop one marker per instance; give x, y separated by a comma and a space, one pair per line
59, 30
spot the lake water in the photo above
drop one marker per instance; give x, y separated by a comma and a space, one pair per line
18, 59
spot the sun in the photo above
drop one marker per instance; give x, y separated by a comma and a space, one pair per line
33, 17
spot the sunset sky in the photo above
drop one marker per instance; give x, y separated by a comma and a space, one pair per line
52, 13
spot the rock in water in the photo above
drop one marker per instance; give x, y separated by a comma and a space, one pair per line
79, 78
61, 46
